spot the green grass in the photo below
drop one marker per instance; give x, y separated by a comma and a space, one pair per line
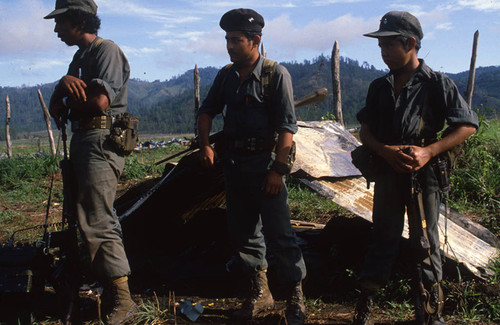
476, 177
306, 205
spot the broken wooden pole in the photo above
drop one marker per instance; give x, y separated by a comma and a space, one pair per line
196, 98
46, 116
7, 130
472, 71
263, 50
337, 101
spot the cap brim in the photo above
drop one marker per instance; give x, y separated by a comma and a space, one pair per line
56, 13
378, 34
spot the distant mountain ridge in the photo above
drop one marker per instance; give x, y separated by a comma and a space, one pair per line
168, 106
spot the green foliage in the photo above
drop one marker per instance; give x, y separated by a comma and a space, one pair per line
16, 171
305, 205
140, 165
476, 177
473, 301
157, 311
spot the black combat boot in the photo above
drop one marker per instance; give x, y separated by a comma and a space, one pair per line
295, 308
260, 298
363, 312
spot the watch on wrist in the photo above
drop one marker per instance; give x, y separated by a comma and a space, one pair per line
281, 168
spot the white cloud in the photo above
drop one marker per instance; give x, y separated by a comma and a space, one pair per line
138, 52
445, 26
163, 14
481, 5
317, 35
23, 29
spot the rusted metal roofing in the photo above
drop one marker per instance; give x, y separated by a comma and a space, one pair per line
324, 164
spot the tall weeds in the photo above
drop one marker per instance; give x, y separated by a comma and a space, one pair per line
476, 177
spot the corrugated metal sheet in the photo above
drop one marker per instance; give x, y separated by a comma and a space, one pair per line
324, 164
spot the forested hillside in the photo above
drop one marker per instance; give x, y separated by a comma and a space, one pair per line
167, 106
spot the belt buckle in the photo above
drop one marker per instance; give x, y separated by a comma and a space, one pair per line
103, 121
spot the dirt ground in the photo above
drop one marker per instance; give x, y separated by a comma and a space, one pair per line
190, 263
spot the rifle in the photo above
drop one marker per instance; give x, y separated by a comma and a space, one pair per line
432, 303
316, 97
66, 278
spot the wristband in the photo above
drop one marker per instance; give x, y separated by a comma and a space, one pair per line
281, 168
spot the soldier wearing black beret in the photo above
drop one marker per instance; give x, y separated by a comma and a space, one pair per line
259, 124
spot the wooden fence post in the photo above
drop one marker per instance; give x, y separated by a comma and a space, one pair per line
196, 98
46, 115
337, 102
472, 71
7, 131
263, 50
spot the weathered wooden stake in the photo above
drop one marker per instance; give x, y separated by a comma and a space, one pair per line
472, 71
46, 115
7, 131
196, 98
337, 101
263, 50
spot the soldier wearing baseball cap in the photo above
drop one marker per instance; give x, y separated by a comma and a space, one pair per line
405, 111
63, 6
91, 94
399, 23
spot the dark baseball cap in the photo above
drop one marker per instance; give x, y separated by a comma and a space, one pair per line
244, 20
64, 5
396, 23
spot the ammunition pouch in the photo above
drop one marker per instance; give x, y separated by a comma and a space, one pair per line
367, 162
124, 133
441, 169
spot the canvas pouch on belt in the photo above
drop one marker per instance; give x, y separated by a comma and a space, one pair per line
124, 133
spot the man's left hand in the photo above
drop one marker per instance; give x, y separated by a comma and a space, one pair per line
273, 183
420, 155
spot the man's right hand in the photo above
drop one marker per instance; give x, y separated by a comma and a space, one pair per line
207, 156
75, 87
397, 159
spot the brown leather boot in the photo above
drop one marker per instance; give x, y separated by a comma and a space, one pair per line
260, 298
362, 314
123, 305
295, 308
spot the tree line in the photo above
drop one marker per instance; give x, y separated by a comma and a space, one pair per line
167, 106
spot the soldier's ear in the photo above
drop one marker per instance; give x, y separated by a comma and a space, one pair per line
256, 40
411, 43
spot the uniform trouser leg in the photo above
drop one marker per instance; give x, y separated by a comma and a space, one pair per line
431, 202
251, 214
391, 196
388, 223
97, 169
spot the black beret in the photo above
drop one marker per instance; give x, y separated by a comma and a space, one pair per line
244, 20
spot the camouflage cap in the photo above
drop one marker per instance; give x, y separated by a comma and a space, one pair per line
396, 23
245, 20
64, 5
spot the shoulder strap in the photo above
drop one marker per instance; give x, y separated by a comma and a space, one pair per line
268, 69
430, 95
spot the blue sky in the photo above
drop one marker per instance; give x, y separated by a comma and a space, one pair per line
163, 38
